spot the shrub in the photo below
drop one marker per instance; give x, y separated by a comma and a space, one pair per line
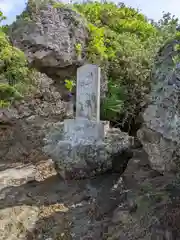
128, 41
14, 71
8, 94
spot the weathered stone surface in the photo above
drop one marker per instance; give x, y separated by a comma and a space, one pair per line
160, 134
49, 40
17, 221
88, 159
83, 131
150, 207
141, 204
24, 125
17, 176
88, 92
54, 209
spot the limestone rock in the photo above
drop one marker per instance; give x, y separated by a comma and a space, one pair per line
24, 125
15, 222
50, 38
86, 159
160, 134
150, 207
17, 176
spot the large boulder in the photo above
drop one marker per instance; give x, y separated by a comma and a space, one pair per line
160, 133
49, 39
86, 158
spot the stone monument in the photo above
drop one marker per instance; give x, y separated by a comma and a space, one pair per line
88, 92
82, 147
86, 127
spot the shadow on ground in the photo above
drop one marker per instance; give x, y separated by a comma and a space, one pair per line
144, 206
66, 210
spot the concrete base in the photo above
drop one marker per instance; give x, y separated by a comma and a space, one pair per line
84, 131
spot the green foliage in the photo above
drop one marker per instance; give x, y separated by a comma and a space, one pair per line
120, 19
8, 94
125, 39
113, 104
69, 84
25, 16
14, 72
96, 48
14, 65
176, 58
58, 5
2, 17
4, 104
78, 48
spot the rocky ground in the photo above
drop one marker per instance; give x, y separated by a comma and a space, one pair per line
36, 204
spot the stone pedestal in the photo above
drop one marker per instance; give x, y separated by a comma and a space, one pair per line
82, 149
83, 131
